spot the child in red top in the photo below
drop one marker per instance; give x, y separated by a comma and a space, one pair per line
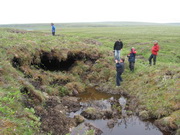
131, 58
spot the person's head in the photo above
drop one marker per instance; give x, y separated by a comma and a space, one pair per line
119, 39
155, 42
132, 49
122, 60
52, 24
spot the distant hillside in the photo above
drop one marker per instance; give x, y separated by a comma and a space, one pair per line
46, 26
176, 24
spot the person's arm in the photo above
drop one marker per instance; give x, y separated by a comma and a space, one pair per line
156, 49
122, 67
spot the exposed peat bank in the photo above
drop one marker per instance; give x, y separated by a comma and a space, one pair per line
56, 85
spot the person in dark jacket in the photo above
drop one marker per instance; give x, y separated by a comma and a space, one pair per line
154, 53
119, 71
131, 58
118, 45
53, 29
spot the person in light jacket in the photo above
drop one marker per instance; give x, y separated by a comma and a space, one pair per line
118, 45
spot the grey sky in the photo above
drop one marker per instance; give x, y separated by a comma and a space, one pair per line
60, 11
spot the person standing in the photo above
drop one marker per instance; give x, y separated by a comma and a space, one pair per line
119, 71
131, 58
118, 45
154, 53
53, 29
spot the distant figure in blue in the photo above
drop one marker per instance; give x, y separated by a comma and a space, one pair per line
53, 29
118, 45
119, 70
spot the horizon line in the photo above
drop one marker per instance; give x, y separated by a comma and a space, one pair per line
94, 22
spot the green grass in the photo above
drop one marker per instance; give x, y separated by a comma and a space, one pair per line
156, 87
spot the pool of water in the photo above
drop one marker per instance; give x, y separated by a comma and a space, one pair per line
92, 94
127, 125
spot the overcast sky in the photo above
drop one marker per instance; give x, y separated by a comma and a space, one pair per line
60, 11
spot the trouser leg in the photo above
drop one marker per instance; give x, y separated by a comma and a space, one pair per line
132, 66
117, 55
118, 79
150, 59
154, 59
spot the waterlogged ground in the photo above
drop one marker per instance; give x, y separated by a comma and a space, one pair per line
126, 125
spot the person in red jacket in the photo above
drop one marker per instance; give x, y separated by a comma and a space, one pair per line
154, 51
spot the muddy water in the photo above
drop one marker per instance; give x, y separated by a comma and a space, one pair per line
127, 125
91, 94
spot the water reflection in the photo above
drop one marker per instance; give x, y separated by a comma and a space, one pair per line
91, 94
126, 125
122, 102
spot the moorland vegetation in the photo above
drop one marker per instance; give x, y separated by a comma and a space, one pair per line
36, 67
